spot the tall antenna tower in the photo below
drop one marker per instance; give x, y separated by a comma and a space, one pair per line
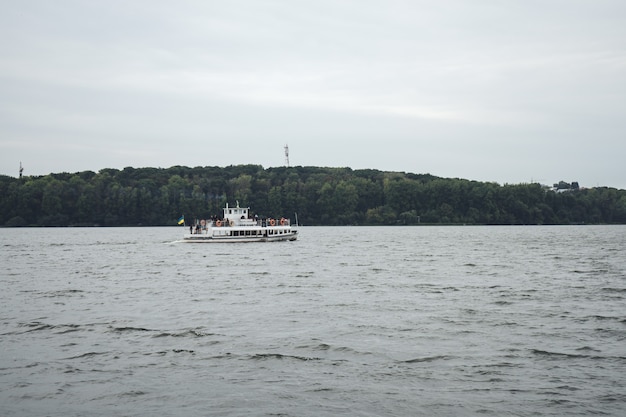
287, 155
21, 169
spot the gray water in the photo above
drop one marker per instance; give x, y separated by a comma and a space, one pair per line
350, 321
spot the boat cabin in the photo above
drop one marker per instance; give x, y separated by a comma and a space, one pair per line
236, 213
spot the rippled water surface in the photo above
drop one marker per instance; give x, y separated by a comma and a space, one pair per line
352, 321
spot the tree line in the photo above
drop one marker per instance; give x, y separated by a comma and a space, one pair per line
319, 196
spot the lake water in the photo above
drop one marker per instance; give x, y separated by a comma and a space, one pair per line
346, 321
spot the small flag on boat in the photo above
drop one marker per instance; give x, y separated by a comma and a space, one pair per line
182, 219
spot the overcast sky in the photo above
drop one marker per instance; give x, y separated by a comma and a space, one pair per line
488, 90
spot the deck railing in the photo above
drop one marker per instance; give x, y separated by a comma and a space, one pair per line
202, 226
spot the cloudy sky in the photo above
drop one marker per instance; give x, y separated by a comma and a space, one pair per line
508, 91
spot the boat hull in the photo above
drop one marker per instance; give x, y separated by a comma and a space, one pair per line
238, 239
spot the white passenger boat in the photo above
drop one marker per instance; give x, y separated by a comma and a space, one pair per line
237, 226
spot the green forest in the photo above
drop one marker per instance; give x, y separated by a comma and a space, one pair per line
319, 196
